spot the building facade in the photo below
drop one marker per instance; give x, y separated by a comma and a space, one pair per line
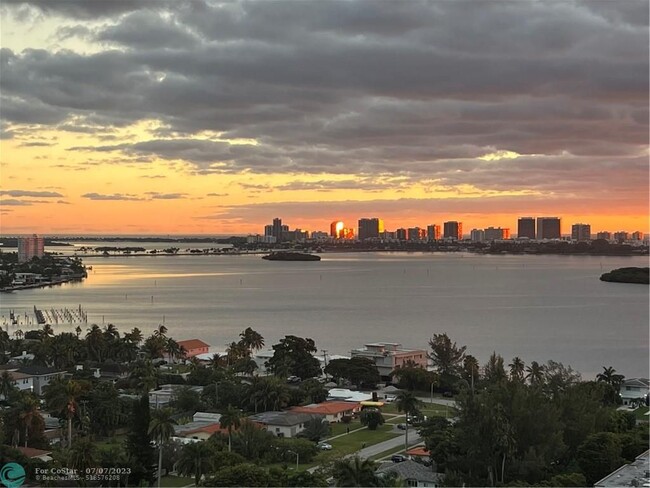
433, 232
389, 355
496, 234
526, 228
453, 230
604, 235
549, 228
581, 232
370, 228
477, 235
30, 247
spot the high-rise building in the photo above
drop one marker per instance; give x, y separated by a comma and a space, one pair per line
400, 234
415, 234
277, 229
336, 229
621, 236
268, 230
526, 227
370, 228
496, 234
433, 232
453, 230
637, 236
30, 247
477, 235
604, 235
581, 232
548, 228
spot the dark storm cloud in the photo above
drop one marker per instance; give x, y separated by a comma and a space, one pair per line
83, 9
418, 89
30, 193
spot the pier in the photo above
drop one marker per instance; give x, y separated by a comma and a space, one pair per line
52, 316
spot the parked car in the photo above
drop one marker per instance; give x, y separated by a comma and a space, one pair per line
324, 446
293, 379
401, 426
448, 394
390, 398
398, 458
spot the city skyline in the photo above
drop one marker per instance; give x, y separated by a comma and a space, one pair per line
204, 117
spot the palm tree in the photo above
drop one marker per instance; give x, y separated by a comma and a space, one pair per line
251, 340
82, 455
174, 349
135, 336
355, 472
217, 361
610, 377
161, 428
196, 459
231, 419
535, 373
6, 385
111, 332
77, 331
28, 413
160, 331
517, 368
62, 395
407, 402
47, 331
316, 429
95, 342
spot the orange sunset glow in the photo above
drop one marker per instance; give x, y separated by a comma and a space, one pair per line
189, 118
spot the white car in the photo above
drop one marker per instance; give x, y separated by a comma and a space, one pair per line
324, 446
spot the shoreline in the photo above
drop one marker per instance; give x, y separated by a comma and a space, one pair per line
44, 284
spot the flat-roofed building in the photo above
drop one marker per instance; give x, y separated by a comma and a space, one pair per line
477, 235
604, 235
370, 228
496, 234
581, 232
636, 473
453, 230
30, 247
389, 355
526, 228
433, 232
549, 228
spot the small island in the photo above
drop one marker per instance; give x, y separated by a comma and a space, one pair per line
290, 256
628, 275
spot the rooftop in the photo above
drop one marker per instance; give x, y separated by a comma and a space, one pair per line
190, 344
418, 451
410, 470
348, 395
636, 473
31, 452
286, 419
326, 408
38, 370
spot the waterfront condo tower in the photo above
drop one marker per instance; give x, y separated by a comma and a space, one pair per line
453, 230
370, 228
30, 247
433, 232
526, 227
548, 228
581, 232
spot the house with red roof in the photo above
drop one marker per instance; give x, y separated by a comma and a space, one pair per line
194, 347
333, 411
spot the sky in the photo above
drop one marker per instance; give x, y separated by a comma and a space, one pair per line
202, 117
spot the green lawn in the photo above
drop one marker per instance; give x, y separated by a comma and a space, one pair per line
176, 481
356, 440
341, 428
428, 409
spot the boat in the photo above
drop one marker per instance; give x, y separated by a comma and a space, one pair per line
290, 256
